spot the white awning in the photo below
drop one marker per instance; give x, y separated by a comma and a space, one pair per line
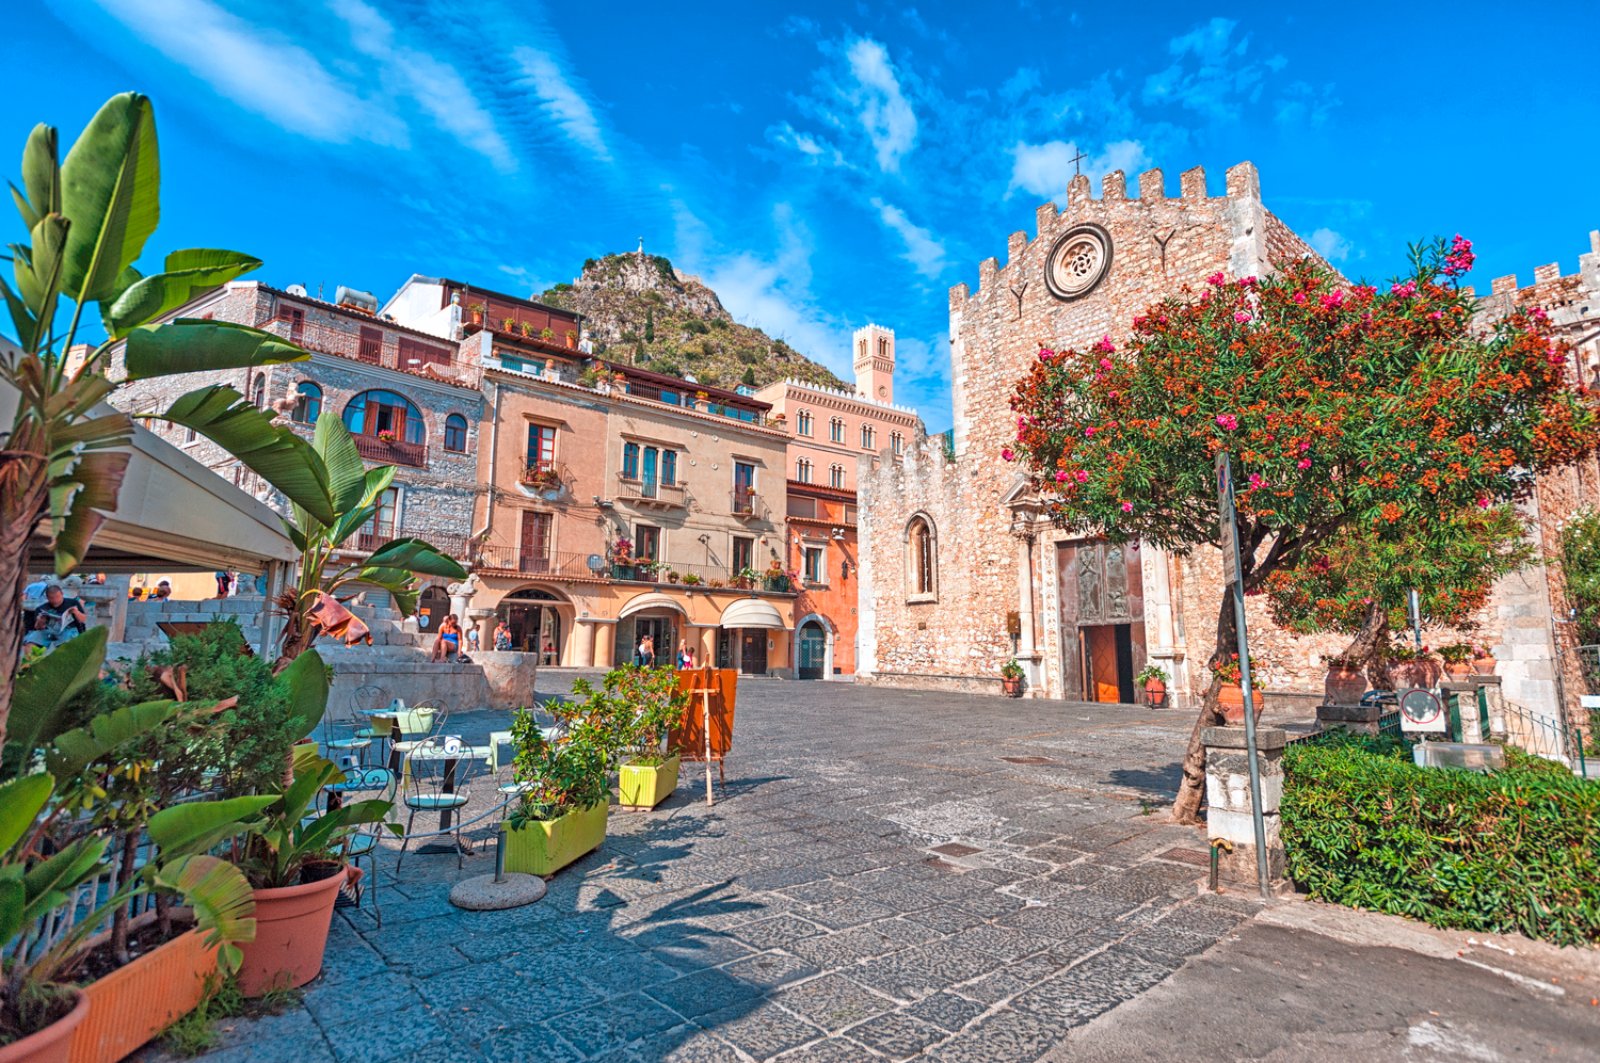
753, 612
653, 600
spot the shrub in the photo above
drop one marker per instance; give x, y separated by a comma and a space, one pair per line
1514, 851
1580, 562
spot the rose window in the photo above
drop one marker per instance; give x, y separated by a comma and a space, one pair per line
1078, 261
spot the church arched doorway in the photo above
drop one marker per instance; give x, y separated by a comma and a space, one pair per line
811, 653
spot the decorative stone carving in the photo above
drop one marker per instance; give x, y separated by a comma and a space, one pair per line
1078, 261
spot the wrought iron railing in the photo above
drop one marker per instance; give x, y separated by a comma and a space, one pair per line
651, 491
513, 558
743, 502
398, 452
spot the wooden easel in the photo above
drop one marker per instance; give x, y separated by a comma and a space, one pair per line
705, 715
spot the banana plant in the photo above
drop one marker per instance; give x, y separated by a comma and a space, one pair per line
64, 453
327, 563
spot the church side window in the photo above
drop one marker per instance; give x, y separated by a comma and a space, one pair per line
836, 476
802, 423
836, 430
802, 470
869, 437
897, 444
922, 559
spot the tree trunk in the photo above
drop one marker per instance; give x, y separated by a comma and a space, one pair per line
1192, 790
119, 918
1366, 649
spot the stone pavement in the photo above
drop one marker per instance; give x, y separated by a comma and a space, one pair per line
886, 874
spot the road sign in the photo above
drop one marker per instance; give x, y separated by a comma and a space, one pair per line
1228, 520
1422, 711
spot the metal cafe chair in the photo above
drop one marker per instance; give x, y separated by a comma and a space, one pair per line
438, 778
364, 784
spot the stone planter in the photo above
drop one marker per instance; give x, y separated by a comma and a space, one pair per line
1424, 673
130, 1006
1231, 700
641, 787
543, 847
53, 1044
1344, 685
291, 935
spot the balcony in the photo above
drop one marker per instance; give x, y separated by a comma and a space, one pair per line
552, 480
693, 577
745, 504
508, 558
652, 493
398, 452
371, 537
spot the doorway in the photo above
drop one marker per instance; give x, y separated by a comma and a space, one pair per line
663, 631
1107, 656
535, 625
812, 656
431, 607
753, 651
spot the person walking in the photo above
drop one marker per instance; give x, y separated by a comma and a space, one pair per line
683, 653
645, 655
502, 636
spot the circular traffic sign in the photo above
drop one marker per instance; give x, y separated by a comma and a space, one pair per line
1421, 708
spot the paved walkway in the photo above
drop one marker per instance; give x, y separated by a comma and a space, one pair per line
886, 875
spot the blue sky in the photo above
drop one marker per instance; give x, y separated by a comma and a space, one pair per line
820, 166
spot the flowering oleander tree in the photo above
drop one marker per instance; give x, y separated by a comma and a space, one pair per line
1345, 407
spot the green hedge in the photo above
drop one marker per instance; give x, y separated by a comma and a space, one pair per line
1514, 851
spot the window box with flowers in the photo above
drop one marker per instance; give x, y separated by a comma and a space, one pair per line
387, 436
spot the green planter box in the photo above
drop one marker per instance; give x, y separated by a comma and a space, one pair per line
641, 787
545, 847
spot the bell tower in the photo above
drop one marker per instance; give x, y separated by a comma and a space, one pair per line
874, 363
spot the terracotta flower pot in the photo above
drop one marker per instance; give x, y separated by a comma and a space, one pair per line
1012, 687
291, 934
1423, 673
53, 1044
1155, 691
1231, 700
133, 1004
1458, 669
1483, 665
1344, 685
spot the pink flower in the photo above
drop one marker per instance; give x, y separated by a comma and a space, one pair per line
1483, 501
1104, 345
1333, 300
1300, 298
1256, 481
1216, 278
1436, 315
1061, 476
1240, 316
1045, 354
1538, 314
1303, 463
1227, 421
1127, 507
1105, 363
1247, 282
1081, 476
1405, 291
1008, 454
1088, 433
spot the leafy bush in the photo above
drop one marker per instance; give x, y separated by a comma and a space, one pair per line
1514, 851
1580, 561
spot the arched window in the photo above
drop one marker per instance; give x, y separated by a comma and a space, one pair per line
897, 444
802, 423
869, 437
307, 403
836, 430
802, 470
455, 433
836, 476
373, 412
258, 391
922, 560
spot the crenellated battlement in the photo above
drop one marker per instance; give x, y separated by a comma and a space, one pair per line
1588, 266
1243, 184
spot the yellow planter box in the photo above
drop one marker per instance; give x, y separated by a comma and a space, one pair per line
543, 847
644, 786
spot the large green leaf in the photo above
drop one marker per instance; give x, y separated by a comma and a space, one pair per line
282, 458
415, 555
189, 274
197, 826
22, 318
41, 173
195, 345
49, 881
347, 473
223, 902
80, 499
78, 748
306, 681
21, 801
110, 189
46, 685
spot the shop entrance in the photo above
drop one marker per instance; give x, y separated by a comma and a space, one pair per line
812, 659
535, 625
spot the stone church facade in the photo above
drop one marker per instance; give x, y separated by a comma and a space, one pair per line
1080, 615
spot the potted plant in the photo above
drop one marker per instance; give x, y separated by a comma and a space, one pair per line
1230, 697
652, 705
292, 859
672, 575
1154, 679
716, 584
745, 578
387, 436
477, 310
1011, 678
565, 801
1345, 683
509, 325
1412, 666
547, 334
1457, 657
1483, 661
691, 580
572, 340
622, 558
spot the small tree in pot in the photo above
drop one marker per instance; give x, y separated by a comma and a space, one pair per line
1011, 676
1154, 680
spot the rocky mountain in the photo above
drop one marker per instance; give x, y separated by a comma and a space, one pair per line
641, 310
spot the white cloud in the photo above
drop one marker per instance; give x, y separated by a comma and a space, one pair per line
562, 101
434, 85
1045, 169
1025, 80
1209, 74
922, 250
1330, 245
882, 107
259, 69
816, 149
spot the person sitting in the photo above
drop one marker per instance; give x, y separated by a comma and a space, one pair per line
163, 591
58, 620
447, 647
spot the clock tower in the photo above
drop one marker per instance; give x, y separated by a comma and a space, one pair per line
874, 363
